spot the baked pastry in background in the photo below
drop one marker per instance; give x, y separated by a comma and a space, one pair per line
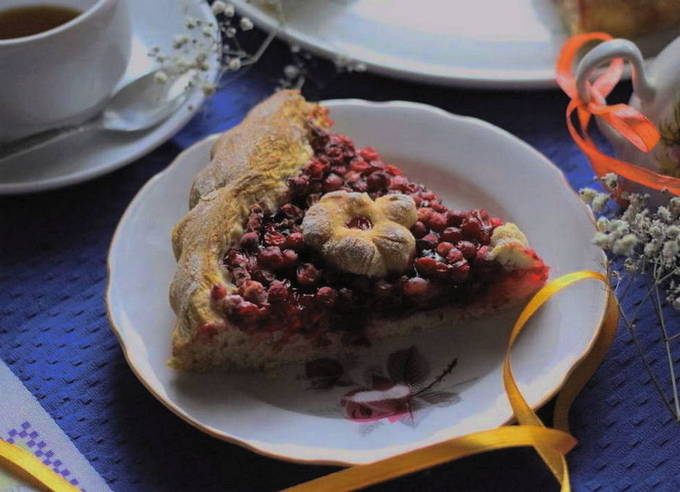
299, 245
620, 18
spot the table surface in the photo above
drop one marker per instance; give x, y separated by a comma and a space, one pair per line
55, 337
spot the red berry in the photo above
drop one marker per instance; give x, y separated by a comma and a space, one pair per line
253, 291
436, 221
468, 249
291, 211
460, 271
454, 217
482, 258
444, 248
438, 207
452, 234
249, 240
360, 186
333, 152
239, 275
218, 291
426, 266
295, 241
352, 177
274, 238
424, 214
271, 257
398, 183
232, 301
278, 291
333, 182
472, 228
417, 287
418, 230
394, 170
377, 181
298, 186
208, 329
289, 256
340, 170
359, 166
234, 258
307, 274
249, 312
327, 296
369, 154
428, 241
454, 255
316, 169
254, 223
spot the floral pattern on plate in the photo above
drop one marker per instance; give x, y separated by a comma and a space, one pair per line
393, 392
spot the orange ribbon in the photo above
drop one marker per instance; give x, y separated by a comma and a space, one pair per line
630, 123
551, 444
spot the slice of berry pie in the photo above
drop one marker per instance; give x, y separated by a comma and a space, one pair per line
299, 245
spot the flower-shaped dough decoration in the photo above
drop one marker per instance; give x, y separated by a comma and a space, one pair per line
362, 236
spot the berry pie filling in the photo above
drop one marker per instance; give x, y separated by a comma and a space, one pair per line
357, 240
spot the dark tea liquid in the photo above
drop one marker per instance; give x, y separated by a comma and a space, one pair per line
24, 21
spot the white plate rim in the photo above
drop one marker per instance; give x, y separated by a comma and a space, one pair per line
479, 79
162, 133
257, 446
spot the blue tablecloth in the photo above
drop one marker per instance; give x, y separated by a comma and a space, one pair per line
55, 337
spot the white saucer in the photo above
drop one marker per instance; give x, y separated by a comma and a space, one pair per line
471, 164
154, 23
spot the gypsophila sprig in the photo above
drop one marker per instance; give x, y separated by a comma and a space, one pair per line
191, 51
646, 243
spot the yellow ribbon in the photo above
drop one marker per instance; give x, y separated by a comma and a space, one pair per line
29, 468
551, 444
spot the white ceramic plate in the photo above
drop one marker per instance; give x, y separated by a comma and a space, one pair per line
471, 164
473, 43
87, 156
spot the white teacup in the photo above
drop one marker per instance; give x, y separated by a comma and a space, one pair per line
64, 75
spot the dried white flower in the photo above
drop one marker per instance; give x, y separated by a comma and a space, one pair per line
626, 245
651, 248
180, 40
600, 202
220, 7
664, 214
246, 24
160, 77
234, 64
602, 224
587, 195
291, 71
670, 250
602, 240
230, 32
610, 180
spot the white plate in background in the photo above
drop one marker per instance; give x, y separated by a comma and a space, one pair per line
471, 43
